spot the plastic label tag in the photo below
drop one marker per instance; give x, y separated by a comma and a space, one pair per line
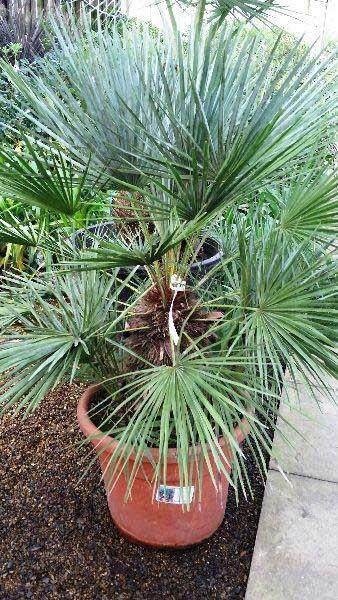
177, 284
175, 494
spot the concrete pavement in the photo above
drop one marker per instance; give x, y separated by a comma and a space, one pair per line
296, 550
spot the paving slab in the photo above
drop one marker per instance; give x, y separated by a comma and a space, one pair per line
317, 456
296, 551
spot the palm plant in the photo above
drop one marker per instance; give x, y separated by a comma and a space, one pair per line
115, 97
194, 131
22, 227
240, 9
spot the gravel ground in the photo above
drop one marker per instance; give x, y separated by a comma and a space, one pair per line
57, 539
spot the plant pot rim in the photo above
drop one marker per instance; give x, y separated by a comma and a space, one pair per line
106, 442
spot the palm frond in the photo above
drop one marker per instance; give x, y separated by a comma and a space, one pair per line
61, 320
41, 179
198, 401
261, 10
87, 118
310, 207
286, 296
17, 231
228, 123
209, 110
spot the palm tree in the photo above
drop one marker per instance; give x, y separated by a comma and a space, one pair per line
209, 139
247, 9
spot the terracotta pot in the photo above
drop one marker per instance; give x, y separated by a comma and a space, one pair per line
160, 522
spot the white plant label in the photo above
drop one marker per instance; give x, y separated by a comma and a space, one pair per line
175, 495
177, 284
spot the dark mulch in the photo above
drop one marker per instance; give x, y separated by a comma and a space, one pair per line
57, 539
